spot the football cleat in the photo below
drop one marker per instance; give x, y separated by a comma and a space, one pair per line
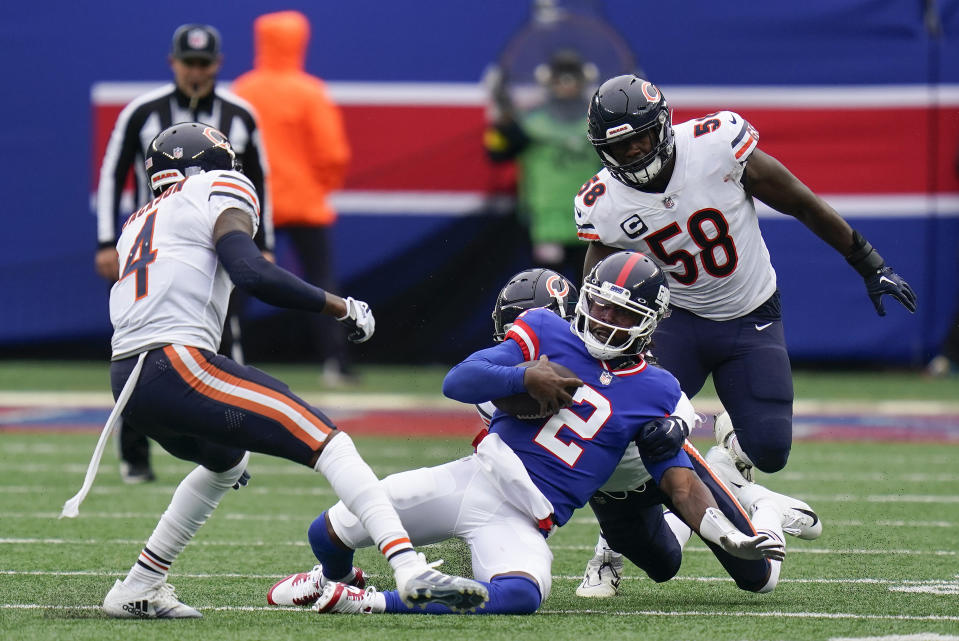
305, 588
798, 519
603, 574
157, 602
422, 583
345, 599
724, 434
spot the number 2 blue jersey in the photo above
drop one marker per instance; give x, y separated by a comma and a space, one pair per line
571, 454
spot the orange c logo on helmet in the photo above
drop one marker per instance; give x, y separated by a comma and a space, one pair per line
651, 92
217, 137
557, 286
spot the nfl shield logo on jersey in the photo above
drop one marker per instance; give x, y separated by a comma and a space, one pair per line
605, 378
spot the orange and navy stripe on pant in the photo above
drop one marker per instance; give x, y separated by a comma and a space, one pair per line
205, 407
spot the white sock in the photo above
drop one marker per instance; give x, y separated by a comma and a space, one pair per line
602, 547
359, 489
193, 502
681, 531
767, 518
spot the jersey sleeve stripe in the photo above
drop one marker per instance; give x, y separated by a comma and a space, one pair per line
242, 200
739, 136
253, 201
526, 338
223, 387
745, 147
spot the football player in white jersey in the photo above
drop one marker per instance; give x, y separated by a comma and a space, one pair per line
181, 255
684, 195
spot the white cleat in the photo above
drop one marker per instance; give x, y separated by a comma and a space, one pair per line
157, 602
305, 588
423, 583
724, 433
798, 519
603, 574
345, 599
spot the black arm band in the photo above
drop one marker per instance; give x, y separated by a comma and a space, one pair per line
863, 257
256, 275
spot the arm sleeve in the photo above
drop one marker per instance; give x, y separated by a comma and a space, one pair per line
259, 277
487, 374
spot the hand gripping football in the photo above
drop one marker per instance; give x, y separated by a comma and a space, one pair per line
524, 406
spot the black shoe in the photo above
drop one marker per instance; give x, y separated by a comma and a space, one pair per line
135, 473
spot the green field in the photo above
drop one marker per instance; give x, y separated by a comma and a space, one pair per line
886, 564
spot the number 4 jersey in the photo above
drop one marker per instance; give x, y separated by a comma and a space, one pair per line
570, 455
172, 288
703, 230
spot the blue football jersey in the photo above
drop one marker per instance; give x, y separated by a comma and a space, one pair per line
571, 454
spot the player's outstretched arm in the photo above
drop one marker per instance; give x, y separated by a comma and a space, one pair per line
769, 181
695, 504
253, 273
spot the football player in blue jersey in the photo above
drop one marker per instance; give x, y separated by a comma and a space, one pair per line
527, 476
629, 507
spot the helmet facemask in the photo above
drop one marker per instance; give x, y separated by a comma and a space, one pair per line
643, 170
628, 339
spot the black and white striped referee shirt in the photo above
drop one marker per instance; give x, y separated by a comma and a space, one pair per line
145, 117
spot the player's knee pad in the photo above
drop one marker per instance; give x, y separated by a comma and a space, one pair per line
768, 442
512, 594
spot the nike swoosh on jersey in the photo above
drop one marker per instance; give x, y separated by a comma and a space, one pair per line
760, 328
733, 121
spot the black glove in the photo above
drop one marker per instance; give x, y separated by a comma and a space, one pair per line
880, 279
242, 481
886, 281
662, 438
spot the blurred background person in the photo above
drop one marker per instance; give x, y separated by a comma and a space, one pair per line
195, 60
553, 156
539, 88
309, 154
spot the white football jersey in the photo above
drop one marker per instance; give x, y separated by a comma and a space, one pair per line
703, 230
172, 287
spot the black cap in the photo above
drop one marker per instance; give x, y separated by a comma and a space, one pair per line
196, 41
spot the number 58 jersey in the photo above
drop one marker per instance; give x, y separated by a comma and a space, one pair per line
172, 287
702, 231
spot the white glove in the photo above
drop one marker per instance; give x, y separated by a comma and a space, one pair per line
359, 320
716, 528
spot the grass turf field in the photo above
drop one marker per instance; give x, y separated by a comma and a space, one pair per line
887, 563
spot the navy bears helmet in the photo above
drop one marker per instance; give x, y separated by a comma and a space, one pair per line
623, 299
625, 107
186, 149
531, 288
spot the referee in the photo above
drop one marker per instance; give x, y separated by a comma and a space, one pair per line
195, 59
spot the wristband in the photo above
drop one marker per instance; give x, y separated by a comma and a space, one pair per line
863, 257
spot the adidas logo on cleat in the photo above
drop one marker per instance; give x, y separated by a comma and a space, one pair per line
138, 608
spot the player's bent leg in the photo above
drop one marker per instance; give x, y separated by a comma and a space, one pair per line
603, 573
798, 518
750, 575
634, 526
756, 389
145, 592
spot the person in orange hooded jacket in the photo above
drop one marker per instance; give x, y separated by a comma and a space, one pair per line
309, 154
